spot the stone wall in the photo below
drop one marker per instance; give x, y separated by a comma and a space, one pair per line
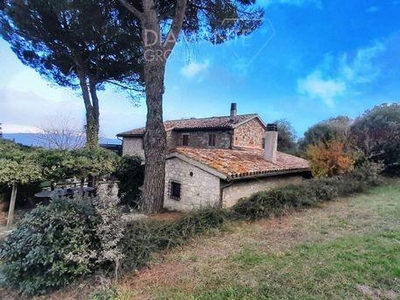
199, 139
198, 188
245, 188
249, 134
133, 147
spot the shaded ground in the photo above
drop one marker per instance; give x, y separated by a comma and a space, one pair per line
344, 249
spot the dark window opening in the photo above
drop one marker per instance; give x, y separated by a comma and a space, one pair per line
211, 140
263, 143
175, 190
185, 140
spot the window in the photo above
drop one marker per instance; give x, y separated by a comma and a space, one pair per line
175, 190
211, 140
263, 143
185, 139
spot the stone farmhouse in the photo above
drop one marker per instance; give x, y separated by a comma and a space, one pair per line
216, 161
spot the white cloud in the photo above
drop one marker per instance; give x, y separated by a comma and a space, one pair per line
362, 68
265, 3
335, 77
13, 128
315, 86
194, 68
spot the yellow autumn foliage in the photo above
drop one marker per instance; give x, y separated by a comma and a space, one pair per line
330, 159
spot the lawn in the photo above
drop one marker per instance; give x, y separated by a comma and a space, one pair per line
345, 249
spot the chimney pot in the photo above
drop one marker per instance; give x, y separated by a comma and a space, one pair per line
233, 111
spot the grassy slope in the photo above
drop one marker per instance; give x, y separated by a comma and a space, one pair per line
349, 248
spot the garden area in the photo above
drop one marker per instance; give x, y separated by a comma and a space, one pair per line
335, 234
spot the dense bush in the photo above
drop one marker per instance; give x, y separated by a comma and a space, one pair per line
35, 255
142, 238
130, 174
377, 134
69, 238
57, 243
276, 201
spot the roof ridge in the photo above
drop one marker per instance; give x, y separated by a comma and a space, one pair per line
215, 117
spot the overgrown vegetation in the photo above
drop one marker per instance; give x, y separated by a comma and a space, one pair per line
68, 239
347, 250
130, 174
142, 238
377, 134
57, 243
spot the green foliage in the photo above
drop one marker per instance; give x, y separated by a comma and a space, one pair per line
54, 164
130, 174
286, 137
276, 201
57, 243
142, 238
91, 161
377, 134
36, 256
17, 164
326, 131
104, 294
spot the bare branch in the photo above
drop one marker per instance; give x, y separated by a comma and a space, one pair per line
125, 87
176, 25
132, 9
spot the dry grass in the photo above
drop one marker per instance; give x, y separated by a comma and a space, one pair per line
280, 257
206, 262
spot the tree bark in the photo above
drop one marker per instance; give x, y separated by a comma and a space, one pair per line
94, 117
91, 102
10, 217
155, 141
156, 53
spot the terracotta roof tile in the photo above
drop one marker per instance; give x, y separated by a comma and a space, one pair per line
224, 122
243, 162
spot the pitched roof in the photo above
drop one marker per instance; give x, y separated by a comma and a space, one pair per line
240, 163
213, 123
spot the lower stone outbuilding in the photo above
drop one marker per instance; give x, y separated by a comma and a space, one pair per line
198, 178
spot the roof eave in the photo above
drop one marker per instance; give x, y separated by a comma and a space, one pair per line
268, 174
130, 135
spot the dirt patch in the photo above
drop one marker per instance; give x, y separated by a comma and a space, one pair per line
166, 216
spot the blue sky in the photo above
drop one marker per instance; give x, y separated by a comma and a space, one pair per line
311, 60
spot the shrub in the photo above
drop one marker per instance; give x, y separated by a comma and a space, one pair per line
57, 243
35, 256
276, 201
142, 238
130, 174
330, 159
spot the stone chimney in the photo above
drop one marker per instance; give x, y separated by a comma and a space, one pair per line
233, 111
271, 143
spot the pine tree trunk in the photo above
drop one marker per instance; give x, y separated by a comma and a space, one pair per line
93, 117
154, 140
10, 218
92, 127
92, 109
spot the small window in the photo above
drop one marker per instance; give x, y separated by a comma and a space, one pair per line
185, 140
175, 192
211, 140
263, 143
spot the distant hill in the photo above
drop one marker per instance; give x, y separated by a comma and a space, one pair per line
33, 139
